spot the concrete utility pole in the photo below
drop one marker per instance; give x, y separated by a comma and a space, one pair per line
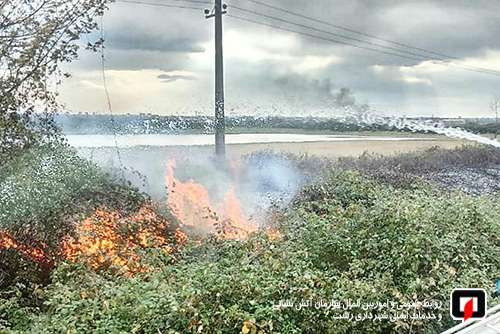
220, 123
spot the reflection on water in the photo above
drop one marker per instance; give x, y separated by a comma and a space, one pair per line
204, 139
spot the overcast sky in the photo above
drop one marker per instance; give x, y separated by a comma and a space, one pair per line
160, 60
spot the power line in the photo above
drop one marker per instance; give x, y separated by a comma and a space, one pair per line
164, 5
383, 48
320, 37
351, 30
195, 1
324, 31
410, 53
108, 99
443, 57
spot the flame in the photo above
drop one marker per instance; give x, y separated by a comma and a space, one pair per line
33, 253
188, 201
273, 233
107, 240
191, 205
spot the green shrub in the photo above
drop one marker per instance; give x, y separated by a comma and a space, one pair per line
347, 238
42, 193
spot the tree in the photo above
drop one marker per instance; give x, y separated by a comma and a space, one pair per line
36, 37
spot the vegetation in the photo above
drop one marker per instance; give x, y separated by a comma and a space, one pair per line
470, 168
149, 124
42, 194
37, 36
347, 236
352, 235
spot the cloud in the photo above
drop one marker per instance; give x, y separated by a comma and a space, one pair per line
148, 41
131, 26
272, 71
166, 78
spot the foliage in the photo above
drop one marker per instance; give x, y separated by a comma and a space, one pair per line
42, 193
470, 168
36, 37
344, 238
92, 123
431, 160
85, 123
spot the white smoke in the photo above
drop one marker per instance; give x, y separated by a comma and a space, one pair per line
368, 117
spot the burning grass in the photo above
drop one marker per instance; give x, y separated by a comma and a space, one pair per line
107, 235
50, 198
108, 241
33, 253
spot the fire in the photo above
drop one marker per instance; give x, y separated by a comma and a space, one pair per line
110, 240
33, 253
273, 234
191, 204
107, 240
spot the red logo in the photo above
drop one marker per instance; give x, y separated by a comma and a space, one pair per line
468, 309
468, 304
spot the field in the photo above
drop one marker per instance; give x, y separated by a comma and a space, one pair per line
343, 149
151, 161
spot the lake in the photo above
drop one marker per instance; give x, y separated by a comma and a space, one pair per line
208, 139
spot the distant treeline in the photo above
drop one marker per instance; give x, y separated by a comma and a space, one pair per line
156, 124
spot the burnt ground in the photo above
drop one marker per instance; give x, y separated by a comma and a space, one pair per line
474, 169
471, 180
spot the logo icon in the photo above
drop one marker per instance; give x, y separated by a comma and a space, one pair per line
468, 304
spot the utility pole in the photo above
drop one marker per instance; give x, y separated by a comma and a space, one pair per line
220, 123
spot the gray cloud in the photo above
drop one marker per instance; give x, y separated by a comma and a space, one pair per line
166, 39
455, 27
166, 78
131, 26
152, 44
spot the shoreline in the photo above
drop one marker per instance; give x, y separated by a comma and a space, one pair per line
138, 141
330, 149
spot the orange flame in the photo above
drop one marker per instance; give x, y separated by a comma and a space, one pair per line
190, 203
106, 240
33, 253
273, 234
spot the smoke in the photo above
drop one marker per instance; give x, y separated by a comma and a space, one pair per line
362, 115
260, 181
345, 98
269, 179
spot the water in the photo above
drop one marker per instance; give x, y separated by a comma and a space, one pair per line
368, 117
94, 141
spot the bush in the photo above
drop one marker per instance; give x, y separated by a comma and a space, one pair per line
346, 238
42, 193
